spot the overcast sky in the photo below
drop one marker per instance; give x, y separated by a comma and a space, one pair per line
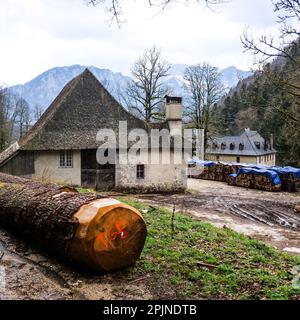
36, 35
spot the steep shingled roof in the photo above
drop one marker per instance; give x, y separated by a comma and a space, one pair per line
248, 139
72, 121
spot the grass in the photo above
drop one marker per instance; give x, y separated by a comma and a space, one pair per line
238, 266
85, 190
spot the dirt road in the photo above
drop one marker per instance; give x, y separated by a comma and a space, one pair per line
263, 215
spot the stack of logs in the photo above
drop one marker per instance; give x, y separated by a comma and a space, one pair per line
253, 181
222, 171
289, 183
217, 172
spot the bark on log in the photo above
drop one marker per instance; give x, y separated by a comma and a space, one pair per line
99, 232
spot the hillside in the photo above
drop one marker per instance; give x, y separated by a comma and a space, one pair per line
267, 102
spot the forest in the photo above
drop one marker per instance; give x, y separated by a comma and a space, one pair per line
268, 102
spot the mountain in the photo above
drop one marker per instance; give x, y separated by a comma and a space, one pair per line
231, 76
44, 88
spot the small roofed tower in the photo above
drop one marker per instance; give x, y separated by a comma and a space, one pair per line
174, 115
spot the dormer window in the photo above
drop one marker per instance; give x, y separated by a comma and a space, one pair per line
215, 146
241, 147
257, 144
232, 146
223, 146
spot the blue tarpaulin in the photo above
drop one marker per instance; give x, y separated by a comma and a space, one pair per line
272, 175
258, 166
287, 170
202, 163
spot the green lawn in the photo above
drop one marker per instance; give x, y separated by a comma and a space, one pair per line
241, 268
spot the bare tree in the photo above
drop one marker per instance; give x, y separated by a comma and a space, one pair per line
268, 47
204, 89
284, 71
114, 7
37, 112
146, 90
22, 116
3, 120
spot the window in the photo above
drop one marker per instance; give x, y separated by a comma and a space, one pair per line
241, 147
232, 146
238, 159
223, 146
215, 146
218, 158
140, 171
257, 144
66, 159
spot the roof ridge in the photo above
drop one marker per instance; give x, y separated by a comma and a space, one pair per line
67, 89
251, 143
84, 118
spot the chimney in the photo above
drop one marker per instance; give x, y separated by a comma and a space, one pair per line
174, 115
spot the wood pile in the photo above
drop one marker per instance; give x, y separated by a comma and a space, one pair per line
224, 172
217, 172
254, 181
290, 183
290, 180
231, 180
96, 231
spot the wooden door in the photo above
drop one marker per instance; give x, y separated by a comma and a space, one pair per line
94, 175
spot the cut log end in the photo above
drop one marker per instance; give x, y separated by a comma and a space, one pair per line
99, 232
110, 236
297, 209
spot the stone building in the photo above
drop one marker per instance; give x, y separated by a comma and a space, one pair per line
249, 147
62, 145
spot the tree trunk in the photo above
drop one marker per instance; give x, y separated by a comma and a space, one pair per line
99, 232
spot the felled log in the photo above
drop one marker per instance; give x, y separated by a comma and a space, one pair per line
297, 209
99, 232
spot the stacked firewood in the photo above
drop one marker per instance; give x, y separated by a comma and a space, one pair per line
290, 183
223, 172
216, 172
231, 180
255, 181
252, 181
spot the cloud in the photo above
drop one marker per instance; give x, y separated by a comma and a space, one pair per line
36, 35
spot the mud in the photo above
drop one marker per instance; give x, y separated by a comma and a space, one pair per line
262, 215
27, 273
